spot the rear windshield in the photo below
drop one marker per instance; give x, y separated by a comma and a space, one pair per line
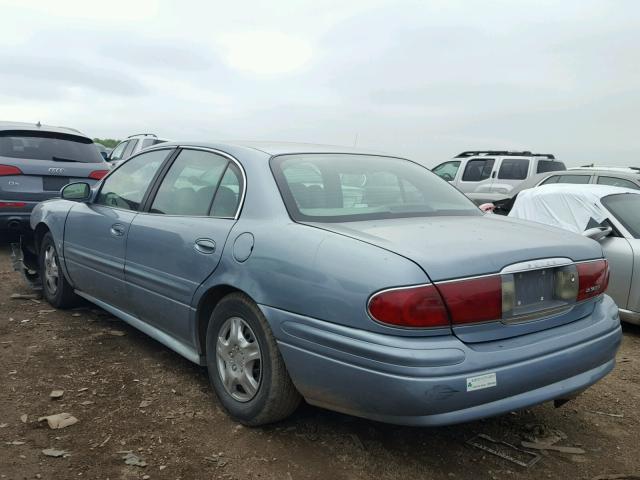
545, 166
626, 208
58, 147
343, 187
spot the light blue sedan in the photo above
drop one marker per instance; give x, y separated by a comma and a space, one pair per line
360, 282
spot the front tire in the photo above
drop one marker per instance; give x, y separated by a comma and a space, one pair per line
55, 288
246, 369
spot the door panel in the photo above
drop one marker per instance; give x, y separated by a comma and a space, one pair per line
94, 247
168, 257
175, 247
618, 252
96, 233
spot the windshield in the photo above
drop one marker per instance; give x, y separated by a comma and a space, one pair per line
626, 208
343, 187
58, 147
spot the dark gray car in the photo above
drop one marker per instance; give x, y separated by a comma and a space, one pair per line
36, 161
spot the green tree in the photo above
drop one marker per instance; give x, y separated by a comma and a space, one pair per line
107, 142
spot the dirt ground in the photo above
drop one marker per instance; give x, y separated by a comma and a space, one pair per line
131, 394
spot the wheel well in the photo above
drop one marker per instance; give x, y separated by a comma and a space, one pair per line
40, 232
205, 309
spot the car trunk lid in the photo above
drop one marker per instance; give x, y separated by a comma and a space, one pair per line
453, 248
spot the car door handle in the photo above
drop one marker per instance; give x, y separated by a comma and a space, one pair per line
205, 245
117, 230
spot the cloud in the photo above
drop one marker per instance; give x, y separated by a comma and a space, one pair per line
422, 78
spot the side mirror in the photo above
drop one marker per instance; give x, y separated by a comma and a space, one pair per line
597, 233
76, 192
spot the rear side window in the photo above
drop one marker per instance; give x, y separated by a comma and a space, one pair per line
37, 145
478, 170
130, 148
228, 194
617, 182
513, 169
343, 187
125, 187
189, 185
545, 166
577, 179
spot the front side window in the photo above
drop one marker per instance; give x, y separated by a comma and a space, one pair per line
343, 187
545, 166
513, 169
447, 170
626, 208
126, 186
118, 152
478, 170
189, 185
41, 145
617, 182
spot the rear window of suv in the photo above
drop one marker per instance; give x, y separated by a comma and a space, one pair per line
37, 145
344, 187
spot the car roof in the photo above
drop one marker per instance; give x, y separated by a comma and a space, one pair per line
38, 127
620, 171
277, 148
588, 190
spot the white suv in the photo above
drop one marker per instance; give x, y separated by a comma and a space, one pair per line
495, 171
132, 145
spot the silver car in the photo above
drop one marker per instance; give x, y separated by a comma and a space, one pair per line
36, 161
610, 214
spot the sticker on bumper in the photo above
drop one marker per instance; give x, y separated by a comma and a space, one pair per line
481, 381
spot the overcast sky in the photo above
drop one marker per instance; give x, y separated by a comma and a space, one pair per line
425, 79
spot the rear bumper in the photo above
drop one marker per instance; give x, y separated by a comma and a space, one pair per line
17, 221
630, 317
423, 380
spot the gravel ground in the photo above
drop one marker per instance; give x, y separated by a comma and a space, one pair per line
132, 396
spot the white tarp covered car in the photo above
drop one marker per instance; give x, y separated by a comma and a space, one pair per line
584, 208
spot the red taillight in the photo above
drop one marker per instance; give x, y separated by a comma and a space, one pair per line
593, 279
9, 170
474, 300
409, 307
12, 204
98, 174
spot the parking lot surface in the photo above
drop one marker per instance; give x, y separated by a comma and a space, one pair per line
138, 402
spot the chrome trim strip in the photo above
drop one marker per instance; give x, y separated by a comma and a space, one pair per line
186, 351
536, 265
504, 270
188, 147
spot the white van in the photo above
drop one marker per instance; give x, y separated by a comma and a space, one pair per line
495, 171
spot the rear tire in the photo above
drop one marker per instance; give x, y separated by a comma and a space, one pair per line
245, 366
55, 288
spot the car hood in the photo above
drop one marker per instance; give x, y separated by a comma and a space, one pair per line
457, 247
